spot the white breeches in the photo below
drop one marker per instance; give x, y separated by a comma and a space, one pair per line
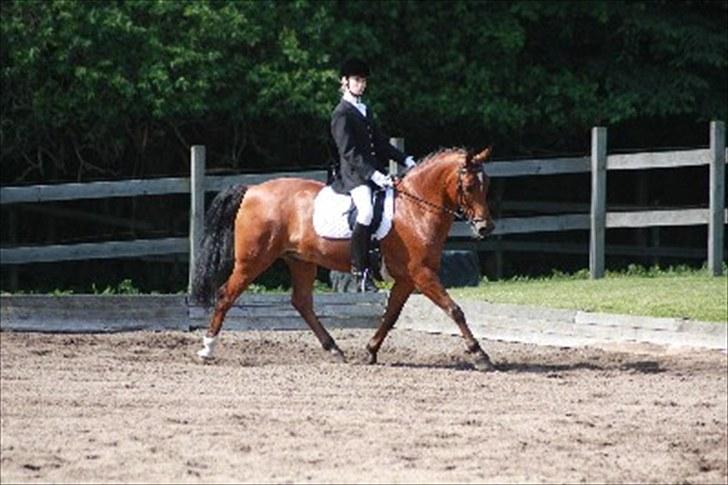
362, 197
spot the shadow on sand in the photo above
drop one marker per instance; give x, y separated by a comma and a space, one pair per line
551, 370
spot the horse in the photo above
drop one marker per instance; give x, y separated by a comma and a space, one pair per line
247, 228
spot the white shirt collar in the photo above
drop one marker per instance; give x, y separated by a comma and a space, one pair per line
356, 102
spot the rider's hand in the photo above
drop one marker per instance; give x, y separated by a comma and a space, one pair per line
382, 180
410, 163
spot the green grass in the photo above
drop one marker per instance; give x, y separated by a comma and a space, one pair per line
676, 292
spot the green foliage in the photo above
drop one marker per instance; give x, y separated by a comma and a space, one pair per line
108, 89
258, 288
124, 287
98, 80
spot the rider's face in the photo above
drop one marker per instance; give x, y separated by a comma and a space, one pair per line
357, 85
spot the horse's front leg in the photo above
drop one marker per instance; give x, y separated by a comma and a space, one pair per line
428, 282
397, 298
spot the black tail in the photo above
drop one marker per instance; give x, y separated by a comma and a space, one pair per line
215, 261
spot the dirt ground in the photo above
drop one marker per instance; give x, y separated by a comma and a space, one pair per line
136, 407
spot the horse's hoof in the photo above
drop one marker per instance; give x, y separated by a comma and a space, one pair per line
204, 356
372, 358
336, 355
482, 363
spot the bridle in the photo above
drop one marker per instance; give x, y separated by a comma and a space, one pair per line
465, 212
461, 211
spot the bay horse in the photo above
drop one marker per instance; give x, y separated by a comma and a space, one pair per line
261, 223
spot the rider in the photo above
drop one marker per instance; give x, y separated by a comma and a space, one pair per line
363, 153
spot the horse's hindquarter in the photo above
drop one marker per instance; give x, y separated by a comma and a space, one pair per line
283, 210
283, 202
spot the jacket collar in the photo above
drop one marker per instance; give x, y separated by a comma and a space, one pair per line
356, 103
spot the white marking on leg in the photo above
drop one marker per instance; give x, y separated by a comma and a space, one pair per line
209, 344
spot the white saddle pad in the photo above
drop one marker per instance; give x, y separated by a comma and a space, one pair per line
330, 214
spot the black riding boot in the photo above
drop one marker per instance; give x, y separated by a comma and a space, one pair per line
360, 259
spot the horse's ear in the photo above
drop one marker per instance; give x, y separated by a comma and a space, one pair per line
483, 156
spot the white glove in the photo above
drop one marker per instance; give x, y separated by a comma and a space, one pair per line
410, 162
382, 180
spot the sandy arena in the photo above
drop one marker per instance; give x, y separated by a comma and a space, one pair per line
136, 407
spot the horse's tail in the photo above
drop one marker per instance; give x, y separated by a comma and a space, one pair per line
215, 261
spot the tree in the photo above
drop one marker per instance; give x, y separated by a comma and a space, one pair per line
107, 89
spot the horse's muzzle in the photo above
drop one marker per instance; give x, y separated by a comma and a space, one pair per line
483, 229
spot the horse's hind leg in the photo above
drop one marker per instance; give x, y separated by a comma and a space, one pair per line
303, 275
226, 296
242, 275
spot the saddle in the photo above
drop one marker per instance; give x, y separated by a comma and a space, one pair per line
334, 214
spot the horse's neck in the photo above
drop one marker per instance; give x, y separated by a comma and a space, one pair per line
430, 183
431, 212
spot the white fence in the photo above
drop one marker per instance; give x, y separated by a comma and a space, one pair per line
596, 221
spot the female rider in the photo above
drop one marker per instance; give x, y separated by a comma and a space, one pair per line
364, 152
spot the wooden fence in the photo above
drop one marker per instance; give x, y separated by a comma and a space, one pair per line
596, 221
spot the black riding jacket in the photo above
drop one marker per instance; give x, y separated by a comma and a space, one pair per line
361, 145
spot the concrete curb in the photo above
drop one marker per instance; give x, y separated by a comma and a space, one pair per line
124, 313
567, 328
92, 313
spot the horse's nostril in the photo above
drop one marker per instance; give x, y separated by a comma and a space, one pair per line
485, 230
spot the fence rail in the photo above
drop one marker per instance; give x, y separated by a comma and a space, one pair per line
596, 221
100, 250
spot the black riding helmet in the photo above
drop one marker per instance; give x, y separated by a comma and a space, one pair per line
354, 67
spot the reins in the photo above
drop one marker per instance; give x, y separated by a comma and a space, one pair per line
456, 213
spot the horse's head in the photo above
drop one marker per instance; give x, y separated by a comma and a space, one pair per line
472, 192
462, 184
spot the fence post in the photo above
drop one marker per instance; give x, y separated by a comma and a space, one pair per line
12, 271
598, 201
716, 228
197, 207
498, 185
394, 166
